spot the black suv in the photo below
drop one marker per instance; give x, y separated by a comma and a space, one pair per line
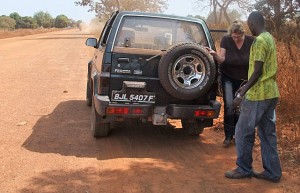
152, 67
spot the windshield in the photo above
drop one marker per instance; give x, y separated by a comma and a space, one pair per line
157, 33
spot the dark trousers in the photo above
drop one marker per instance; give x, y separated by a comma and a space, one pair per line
229, 86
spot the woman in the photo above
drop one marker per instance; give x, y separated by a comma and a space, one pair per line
234, 61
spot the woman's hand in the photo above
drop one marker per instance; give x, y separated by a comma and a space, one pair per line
212, 52
218, 57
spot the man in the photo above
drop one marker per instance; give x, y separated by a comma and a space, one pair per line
258, 107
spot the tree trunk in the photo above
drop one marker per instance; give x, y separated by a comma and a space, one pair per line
277, 15
118, 4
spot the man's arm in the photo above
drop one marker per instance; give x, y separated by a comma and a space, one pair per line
258, 68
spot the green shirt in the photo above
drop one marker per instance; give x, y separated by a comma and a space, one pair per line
263, 49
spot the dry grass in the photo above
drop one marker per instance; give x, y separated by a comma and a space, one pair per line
288, 111
24, 32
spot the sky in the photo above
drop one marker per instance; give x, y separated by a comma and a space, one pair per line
69, 9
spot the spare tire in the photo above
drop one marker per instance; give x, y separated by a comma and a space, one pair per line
186, 71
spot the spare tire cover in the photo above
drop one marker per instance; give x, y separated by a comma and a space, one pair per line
186, 71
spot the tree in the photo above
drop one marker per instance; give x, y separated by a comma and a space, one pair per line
61, 21
7, 23
232, 15
27, 22
72, 23
78, 23
196, 16
277, 11
17, 19
104, 8
43, 19
220, 8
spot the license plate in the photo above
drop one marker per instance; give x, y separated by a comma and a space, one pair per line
129, 97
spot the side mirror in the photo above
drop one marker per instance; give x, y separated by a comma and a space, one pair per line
91, 42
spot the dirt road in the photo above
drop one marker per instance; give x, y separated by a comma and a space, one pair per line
46, 145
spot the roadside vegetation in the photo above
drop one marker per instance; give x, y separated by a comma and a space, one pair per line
39, 20
15, 25
24, 32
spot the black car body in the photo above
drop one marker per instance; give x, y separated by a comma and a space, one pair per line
152, 67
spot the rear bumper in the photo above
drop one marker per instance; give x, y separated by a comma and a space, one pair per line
187, 111
171, 110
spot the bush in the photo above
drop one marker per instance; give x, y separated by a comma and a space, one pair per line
7, 23
28, 23
61, 21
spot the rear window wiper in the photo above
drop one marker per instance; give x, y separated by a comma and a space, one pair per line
155, 56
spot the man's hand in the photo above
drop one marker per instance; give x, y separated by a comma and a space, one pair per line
242, 91
237, 102
238, 98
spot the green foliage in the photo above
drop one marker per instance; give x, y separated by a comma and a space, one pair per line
278, 12
27, 23
44, 19
17, 19
61, 21
7, 23
104, 8
40, 19
15, 16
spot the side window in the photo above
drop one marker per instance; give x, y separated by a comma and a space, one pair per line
103, 33
107, 29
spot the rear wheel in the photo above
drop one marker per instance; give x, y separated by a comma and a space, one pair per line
99, 129
193, 127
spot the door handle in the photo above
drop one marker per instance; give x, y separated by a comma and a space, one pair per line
123, 60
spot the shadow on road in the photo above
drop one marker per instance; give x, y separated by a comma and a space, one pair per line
144, 177
66, 131
152, 159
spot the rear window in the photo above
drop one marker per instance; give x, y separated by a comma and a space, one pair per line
157, 33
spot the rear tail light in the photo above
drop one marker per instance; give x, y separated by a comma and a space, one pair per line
117, 110
204, 113
123, 110
137, 111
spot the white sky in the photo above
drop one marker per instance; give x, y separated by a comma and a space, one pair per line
68, 8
